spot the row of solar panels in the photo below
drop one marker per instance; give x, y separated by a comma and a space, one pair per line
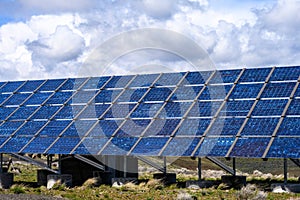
156, 120
167, 79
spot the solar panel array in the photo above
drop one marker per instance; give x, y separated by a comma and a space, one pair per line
226, 113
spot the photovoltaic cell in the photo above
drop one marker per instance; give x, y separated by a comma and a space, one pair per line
285, 74
91, 145
60, 98
95, 83
39, 145
30, 128
38, 98
278, 90
225, 76
205, 108
118, 81
54, 128
109, 126
186, 93
158, 94
15, 144
68, 112
174, 109
45, 112
132, 95
6, 111
133, 128
118, 111
72, 84
215, 146
93, 111
236, 108
107, 96
245, 91
11, 86
145, 110
257, 126
193, 127
250, 147
294, 108
30, 86
169, 79
195, 78
162, 127
181, 146
3, 97
144, 80
226, 126
269, 107
255, 75
285, 148
64, 145
215, 92
23, 113
119, 146
150, 146
290, 126
51, 85
9, 127
17, 99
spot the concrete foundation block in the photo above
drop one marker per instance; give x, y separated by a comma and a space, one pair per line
234, 181
199, 184
42, 176
124, 180
6, 180
168, 178
62, 178
106, 177
294, 188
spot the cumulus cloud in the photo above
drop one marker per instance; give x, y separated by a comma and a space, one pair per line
55, 40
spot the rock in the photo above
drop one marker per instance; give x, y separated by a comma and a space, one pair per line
267, 176
279, 189
117, 184
257, 173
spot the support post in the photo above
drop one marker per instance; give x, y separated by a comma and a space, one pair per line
1, 163
59, 164
165, 165
199, 169
233, 166
285, 170
125, 166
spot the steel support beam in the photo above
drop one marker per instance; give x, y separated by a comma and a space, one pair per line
199, 169
90, 162
34, 162
222, 165
285, 171
296, 161
152, 164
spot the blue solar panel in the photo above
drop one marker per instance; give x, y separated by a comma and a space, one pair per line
72, 84
181, 146
255, 75
269, 107
193, 127
144, 80
226, 126
186, 93
294, 108
94, 111
236, 108
257, 126
91, 145
95, 83
285, 148
118, 81
158, 94
107, 96
205, 108
79, 128
289, 126
278, 90
30, 128
38, 98
169, 79
64, 145
162, 127
6, 111
54, 128
15, 144
9, 127
17, 99
2, 84
194, 78
225, 76
118, 111
30, 86
250, 147
150, 146
51, 85
109, 126
68, 112
145, 110
133, 128
132, 95
174, 109
39, 145
11, 86
285, 74
45, 112
245, 91
60, 98
119, 146
215, 146
3, 97
23, 113
214, 92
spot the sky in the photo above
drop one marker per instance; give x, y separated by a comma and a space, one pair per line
55, 39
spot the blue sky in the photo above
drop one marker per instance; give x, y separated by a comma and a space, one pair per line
54, 38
